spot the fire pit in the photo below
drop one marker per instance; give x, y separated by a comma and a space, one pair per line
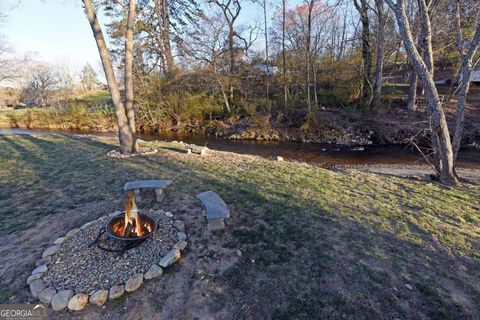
75, 271
132, 227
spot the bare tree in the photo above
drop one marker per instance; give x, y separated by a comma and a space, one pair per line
466, 55
41, 87
231, 11
126, 136
164, 9
8, 69
128, 72
284, 61
88, 77
206, 47
382, 17
443, 155
362, 8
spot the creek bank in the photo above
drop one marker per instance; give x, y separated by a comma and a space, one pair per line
336, 126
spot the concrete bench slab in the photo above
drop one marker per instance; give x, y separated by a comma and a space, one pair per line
215, 208
191, 148
157, 185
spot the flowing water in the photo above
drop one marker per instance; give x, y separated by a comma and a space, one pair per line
322, 154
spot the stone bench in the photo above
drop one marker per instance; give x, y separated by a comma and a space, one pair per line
191, 148
215, 210
158, 185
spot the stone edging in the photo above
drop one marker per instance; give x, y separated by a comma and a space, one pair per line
146, 151
76, 302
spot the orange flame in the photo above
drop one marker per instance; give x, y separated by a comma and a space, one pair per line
132, 224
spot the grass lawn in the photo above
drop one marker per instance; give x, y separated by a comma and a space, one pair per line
314, 243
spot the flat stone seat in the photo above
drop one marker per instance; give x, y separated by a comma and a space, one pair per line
158, 185
214, 207
191, 148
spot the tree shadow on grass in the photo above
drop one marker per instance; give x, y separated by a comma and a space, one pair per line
308, 262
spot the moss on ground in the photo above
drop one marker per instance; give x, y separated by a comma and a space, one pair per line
316, 243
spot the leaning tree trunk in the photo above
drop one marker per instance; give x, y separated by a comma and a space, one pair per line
129, 71
125, 135
440, 133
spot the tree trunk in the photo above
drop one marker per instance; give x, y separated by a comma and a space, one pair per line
439, 127
165, 34
467, 66
266, 48
362, 9
284, 60
129, 71
378, 82
231, 51
307, 57
412, 90
125, 135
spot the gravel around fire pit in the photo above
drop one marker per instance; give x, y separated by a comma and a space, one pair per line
72, 264
82, 268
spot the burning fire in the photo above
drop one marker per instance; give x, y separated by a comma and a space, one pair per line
131, 225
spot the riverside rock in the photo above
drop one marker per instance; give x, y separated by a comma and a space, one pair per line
46, 295
116, 291
59, 240
180, 225
172, 256
155, 271
182, 236
50, 250
181, 245
36, 286
60, 300
40, 269
134, 282
99, 297
78, 302
72, 232
34, 277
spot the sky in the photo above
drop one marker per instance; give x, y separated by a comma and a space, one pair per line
57, 31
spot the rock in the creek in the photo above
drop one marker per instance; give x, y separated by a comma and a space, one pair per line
182, 236
46, 295
115, 292
36, 286
59, 240
60, 300
172, 256
181, 245
155, 271
99, 297
34, 277
78, 302
72, 232
180, 225
50, 250
134, 282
